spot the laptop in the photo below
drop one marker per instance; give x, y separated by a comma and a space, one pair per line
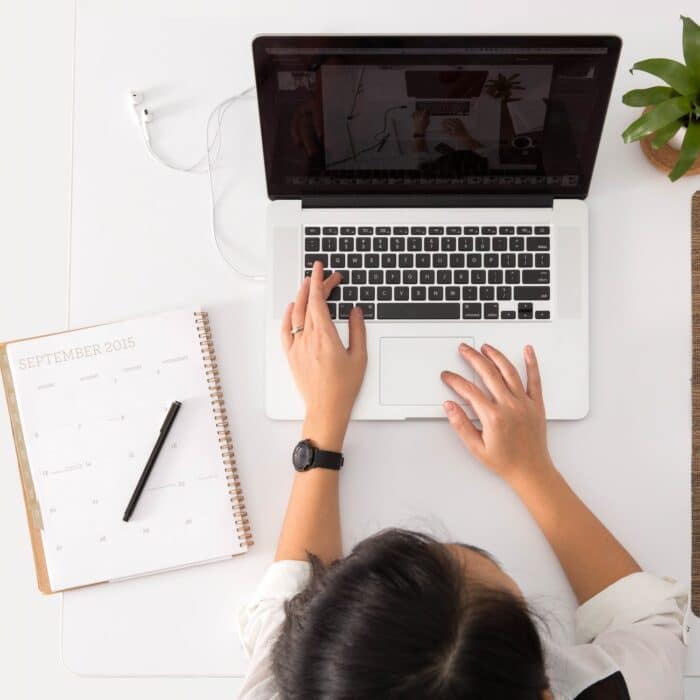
446, 178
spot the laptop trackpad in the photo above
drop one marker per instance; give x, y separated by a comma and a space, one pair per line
409, 370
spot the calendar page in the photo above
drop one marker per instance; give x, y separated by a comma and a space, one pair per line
91, 403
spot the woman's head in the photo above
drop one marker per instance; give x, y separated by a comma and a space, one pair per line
404, 616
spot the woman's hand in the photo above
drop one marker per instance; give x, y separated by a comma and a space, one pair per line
513, 439
327, 374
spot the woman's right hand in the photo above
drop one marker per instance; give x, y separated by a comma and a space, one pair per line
512, 441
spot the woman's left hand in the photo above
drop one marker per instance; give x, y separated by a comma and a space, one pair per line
328, 374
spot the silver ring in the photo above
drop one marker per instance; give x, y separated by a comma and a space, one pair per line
297, 329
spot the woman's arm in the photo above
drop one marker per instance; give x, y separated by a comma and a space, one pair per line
329, 377
513, 444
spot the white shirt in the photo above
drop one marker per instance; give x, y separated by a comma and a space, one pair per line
635, 626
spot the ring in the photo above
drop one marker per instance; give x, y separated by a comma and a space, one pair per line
297, 329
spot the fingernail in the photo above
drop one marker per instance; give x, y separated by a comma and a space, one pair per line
448, 406
485, 347
529, 352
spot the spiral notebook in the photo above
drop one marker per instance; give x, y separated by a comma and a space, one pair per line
86, 407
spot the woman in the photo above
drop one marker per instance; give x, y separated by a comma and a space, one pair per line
405, 616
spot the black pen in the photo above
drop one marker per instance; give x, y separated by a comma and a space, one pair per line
164, 430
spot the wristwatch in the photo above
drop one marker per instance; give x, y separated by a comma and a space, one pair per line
306, 456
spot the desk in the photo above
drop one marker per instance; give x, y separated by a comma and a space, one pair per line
140, 242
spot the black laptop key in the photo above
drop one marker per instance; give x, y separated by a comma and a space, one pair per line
531, 293
312, 244
474, 260
330, 230
371, 260
488, 230
507, 315
432, 243
376, 276
382, 230
542, 230
418, 230
436, 230
444, 276
507, 260
538, 243
363, 245
524, 259
347, 245
454, 230
344, 310
435, 293
542, 315
335, 294
524, 230
312, 231
439, 260
452, 293
470, 230
517, 244
542, 260
410, 277
501, 244
366, 230
478, 276
384, 293
310, 258
495, 276
506, 230
393, 277
466, 244
367, 293
388, 259
525, 310
448, 244
398, 245
406, 260
490, 311
359, 277
367, 310
536, 277
380, 243
503, 293
332, 309
415, 244
469, 293
347, 230
487, 293
427, 276
354, 260
344, 276
329, 244
349, 293
418, 311
401, 230
461, 276
418, 293
422, 259
471, 312
457, 260
483, 244
512, 276
337, 260
491, 260
400, 294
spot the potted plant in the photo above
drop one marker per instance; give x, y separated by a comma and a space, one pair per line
672, 111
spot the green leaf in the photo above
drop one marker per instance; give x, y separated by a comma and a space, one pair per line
689, 151
691, 45
649, 96
665, 134
678, 76
657, 118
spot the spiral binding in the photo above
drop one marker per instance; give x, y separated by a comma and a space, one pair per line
223, 432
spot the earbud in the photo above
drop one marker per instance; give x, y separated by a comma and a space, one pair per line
143, 116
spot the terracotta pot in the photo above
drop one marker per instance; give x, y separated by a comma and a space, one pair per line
665, 158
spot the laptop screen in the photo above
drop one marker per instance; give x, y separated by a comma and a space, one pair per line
432, 115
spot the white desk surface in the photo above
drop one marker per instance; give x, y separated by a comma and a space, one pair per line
141, 242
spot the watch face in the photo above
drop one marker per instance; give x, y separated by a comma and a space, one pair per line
303, 455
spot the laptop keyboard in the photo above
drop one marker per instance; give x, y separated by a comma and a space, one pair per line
411, 273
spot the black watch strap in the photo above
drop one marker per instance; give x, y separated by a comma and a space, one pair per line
327, 460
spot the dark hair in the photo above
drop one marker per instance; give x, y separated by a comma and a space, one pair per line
399, 618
